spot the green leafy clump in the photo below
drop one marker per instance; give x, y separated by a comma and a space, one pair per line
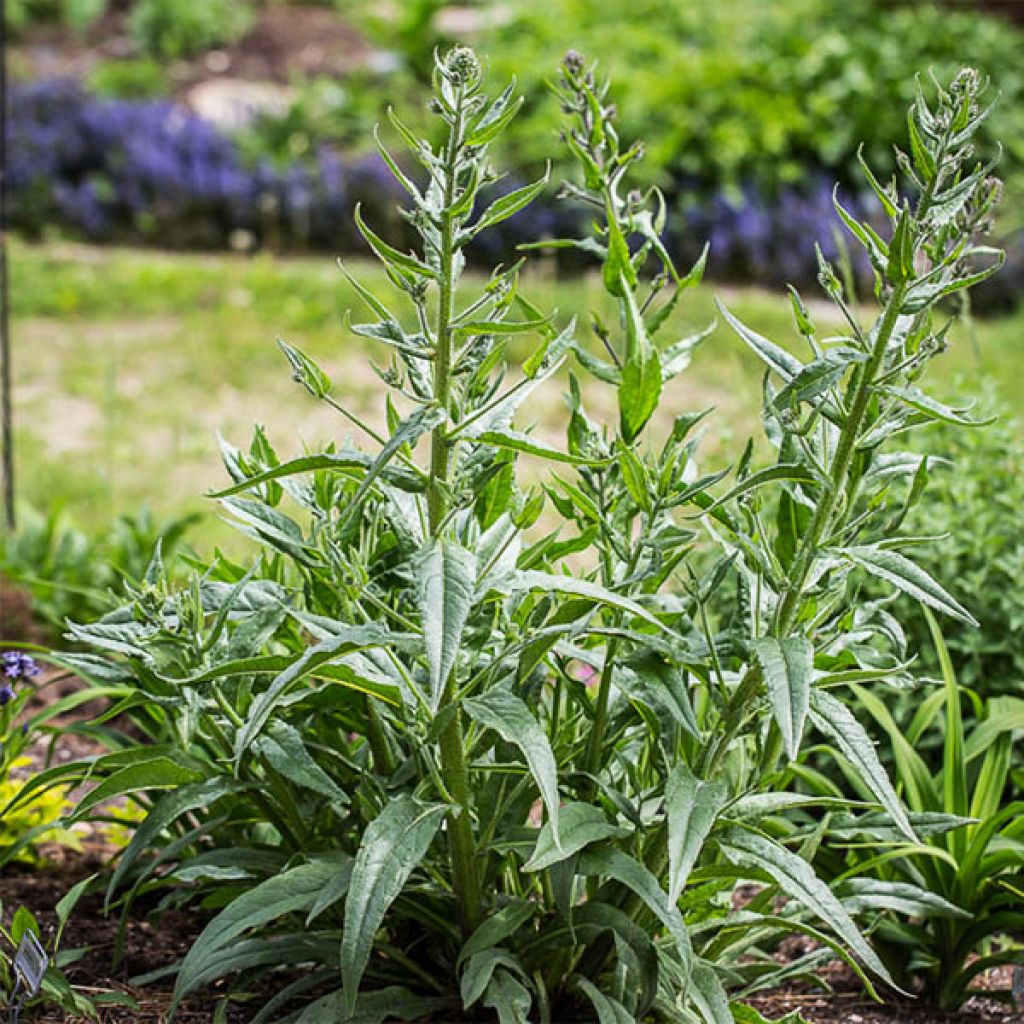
970, 518
973, 906
454, 744
182, 28
73, 574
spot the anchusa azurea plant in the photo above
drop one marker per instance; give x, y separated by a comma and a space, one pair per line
454, 746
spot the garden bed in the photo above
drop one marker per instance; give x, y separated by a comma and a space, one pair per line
151, 946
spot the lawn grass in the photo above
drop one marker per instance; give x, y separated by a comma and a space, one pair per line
127, 364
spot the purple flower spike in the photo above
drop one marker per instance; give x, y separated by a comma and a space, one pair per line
6, 694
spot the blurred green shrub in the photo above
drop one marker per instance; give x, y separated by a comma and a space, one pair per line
973, 506
323, 110
181, 28
69, 573
756, 93
76, 14
129, 79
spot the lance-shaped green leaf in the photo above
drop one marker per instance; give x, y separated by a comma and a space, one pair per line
513, 721
376, 1007
579, 825
498, 927
408, 432
640, 388
788, 668
165, 811
934, 409
536, 580
286, 752
354, 463
691, 806
446, 578
402, 263
903, 574
294, 890
608, 1010
517, 441
306, 372
393, 845
508, 997
867, 895
495, 118
509, 205
818, 376
549, 355
774, 357
346, 640
797, 878
148, 772
708, 993
606, 860
832, 717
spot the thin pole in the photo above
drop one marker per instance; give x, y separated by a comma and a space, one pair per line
6, 412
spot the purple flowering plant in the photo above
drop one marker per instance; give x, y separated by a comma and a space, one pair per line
17, 670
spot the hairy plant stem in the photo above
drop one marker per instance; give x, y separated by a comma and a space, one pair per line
465, 880
840, 468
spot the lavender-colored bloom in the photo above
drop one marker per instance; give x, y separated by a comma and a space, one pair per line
17, 665
152, 169
6, 694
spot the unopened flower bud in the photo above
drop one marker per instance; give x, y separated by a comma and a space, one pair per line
573, 62
463, 65
967, 81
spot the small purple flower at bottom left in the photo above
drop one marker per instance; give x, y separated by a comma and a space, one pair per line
17, 665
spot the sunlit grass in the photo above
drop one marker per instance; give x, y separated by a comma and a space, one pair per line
128, 363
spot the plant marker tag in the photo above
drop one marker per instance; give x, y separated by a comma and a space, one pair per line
30, 963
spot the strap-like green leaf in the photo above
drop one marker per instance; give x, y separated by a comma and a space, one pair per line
345, 641
446, 579
903, 574
579, 825
691, 806
606, 860
788, 668
292, 891
393, 845
832, 717
513, 721
797, 878
608, 1010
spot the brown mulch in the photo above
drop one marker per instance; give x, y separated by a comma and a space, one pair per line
848, 1004
148, 946
282, 42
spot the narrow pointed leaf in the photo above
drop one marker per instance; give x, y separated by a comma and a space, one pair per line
446, 578
691, 805
513, 721
393, 845
797, 878
903, 574
832, 717
788, 668
579, 825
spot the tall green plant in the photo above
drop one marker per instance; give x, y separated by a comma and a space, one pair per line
501, 774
